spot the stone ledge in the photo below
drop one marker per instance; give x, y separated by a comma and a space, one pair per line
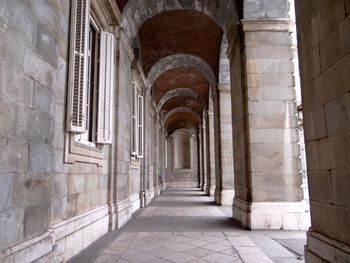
321, 248
52, 243
274, 215
267, 25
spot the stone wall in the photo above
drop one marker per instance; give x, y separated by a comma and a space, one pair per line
324, 54
57, 196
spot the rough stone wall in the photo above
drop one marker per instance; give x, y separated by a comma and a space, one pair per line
52, 188
38, 189
324, 55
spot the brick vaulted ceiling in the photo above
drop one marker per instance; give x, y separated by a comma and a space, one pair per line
180, 32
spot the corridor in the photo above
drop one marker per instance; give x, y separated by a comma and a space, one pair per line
184, 225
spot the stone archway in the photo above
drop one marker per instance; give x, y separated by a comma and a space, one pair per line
177, 92
181, 61
135, 13
182, 110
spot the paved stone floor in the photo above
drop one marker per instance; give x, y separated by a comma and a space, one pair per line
184, 225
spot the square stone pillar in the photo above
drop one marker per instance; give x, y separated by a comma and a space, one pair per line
211, 148
268, 171
224, 191
324, 55
201, 148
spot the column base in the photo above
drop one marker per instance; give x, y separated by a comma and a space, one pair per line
271, 215
203, 187
149, 196
156, 190
224, 197
320, 248
210, 191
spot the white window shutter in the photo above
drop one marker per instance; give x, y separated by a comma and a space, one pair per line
134, 125
105, 90
140, 118
77, 80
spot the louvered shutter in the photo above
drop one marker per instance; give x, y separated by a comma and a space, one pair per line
77, 81
134, 129
140, 118
105, 89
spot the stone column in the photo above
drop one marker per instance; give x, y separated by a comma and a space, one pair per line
211, 147
203, 179
324, 54
224, 191
270, 188
157, 144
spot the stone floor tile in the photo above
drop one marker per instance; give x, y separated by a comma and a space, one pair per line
138, 257
215, 247
199, 252
221, 258
241, 241
161, 252
197, 242
256, 259
173, 230
106, 259
249, 251
180, 257
180, 247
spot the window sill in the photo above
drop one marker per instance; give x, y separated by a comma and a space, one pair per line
76, 151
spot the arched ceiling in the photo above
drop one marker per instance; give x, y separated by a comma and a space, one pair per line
180, 31
178, 78
180, 120
180, 48
182, 101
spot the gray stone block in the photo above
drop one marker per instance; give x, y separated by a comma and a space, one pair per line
11, 47
46, 12
21, 22
38, 68
338, 115
341, 184
40, 157
13, 155
14, 85
11, 227
6, 181
58, 207
76, 183
339, 40
267, 39
46, 45
36, 219
34, 125
7, 117
37, 189
44, 99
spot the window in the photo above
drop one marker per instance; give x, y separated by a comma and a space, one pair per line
137, 122
91, 70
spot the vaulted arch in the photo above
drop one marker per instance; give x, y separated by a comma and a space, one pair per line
175, 93
181, 61
135, 13
182, 110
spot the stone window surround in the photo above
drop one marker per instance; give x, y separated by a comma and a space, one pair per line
76, 151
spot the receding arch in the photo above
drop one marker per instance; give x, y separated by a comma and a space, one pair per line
182, 144
182, 109
175, 93
136, 12
181, 61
